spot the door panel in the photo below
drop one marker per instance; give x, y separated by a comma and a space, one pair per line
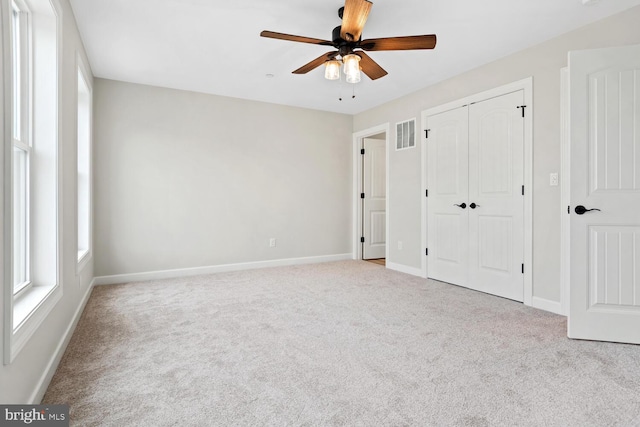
495, 236
611, 120
375, 191
494, 148
605, 174
496, 174
448, 224
614, 254
448, 236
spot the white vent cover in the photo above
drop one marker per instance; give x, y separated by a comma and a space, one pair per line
406, 134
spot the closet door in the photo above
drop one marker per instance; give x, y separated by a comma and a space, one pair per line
448, 211
496, 203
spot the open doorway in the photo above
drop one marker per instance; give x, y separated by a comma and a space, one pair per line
370, 194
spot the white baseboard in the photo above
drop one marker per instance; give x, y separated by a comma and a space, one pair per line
47, 375
405, 269
196, 271
547, 305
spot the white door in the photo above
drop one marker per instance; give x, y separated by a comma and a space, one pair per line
448, 211
375, 193
604, 298
496, 201
475, 217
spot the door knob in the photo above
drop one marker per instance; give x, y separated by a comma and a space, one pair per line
580, 210
473, 206
463, 205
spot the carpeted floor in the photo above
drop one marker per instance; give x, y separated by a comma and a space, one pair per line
347, 343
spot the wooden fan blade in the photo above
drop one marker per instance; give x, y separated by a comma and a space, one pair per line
315, 63
353, 19
400, 43
370, 67
289, 37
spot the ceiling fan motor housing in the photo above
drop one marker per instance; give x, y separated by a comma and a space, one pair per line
342, 45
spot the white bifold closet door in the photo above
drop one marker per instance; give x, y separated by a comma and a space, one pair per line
476, 203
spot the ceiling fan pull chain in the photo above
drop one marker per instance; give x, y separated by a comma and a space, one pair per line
353, 94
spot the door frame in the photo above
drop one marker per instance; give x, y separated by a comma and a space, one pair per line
526, 85
358, 143
565, 193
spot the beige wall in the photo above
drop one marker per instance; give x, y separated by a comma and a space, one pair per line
543, 62
26, 378
188, 180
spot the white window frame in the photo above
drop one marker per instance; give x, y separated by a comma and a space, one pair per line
21, 137
86, 196
410, 143
26, 310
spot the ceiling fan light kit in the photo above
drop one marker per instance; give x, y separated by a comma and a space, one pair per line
347, 39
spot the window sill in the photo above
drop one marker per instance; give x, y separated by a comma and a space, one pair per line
27, 303
29, 311
83, 260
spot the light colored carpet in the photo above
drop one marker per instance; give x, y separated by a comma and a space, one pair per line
347, 343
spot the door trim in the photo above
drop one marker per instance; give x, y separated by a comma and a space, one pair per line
526, 85
565, 193
358, 138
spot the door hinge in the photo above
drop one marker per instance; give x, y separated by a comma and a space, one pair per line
523, 190
362, 151
362, 240
522, 268
426, 133
523, 107
426, 193
426, 251
362, 195
568, 209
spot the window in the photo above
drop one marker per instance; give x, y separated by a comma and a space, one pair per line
84, 165
21, 153
31, 67
406, 134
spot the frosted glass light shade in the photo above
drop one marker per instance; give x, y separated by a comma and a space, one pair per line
352, 68
351, 63
353, 77
332, 70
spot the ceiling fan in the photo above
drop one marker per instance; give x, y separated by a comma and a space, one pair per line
350, 47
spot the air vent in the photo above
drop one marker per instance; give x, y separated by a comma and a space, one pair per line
406, 134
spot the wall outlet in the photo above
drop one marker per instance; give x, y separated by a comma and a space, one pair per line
399, 245
272, 242
553, 179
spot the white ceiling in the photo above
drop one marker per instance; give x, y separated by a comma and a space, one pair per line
213, 46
